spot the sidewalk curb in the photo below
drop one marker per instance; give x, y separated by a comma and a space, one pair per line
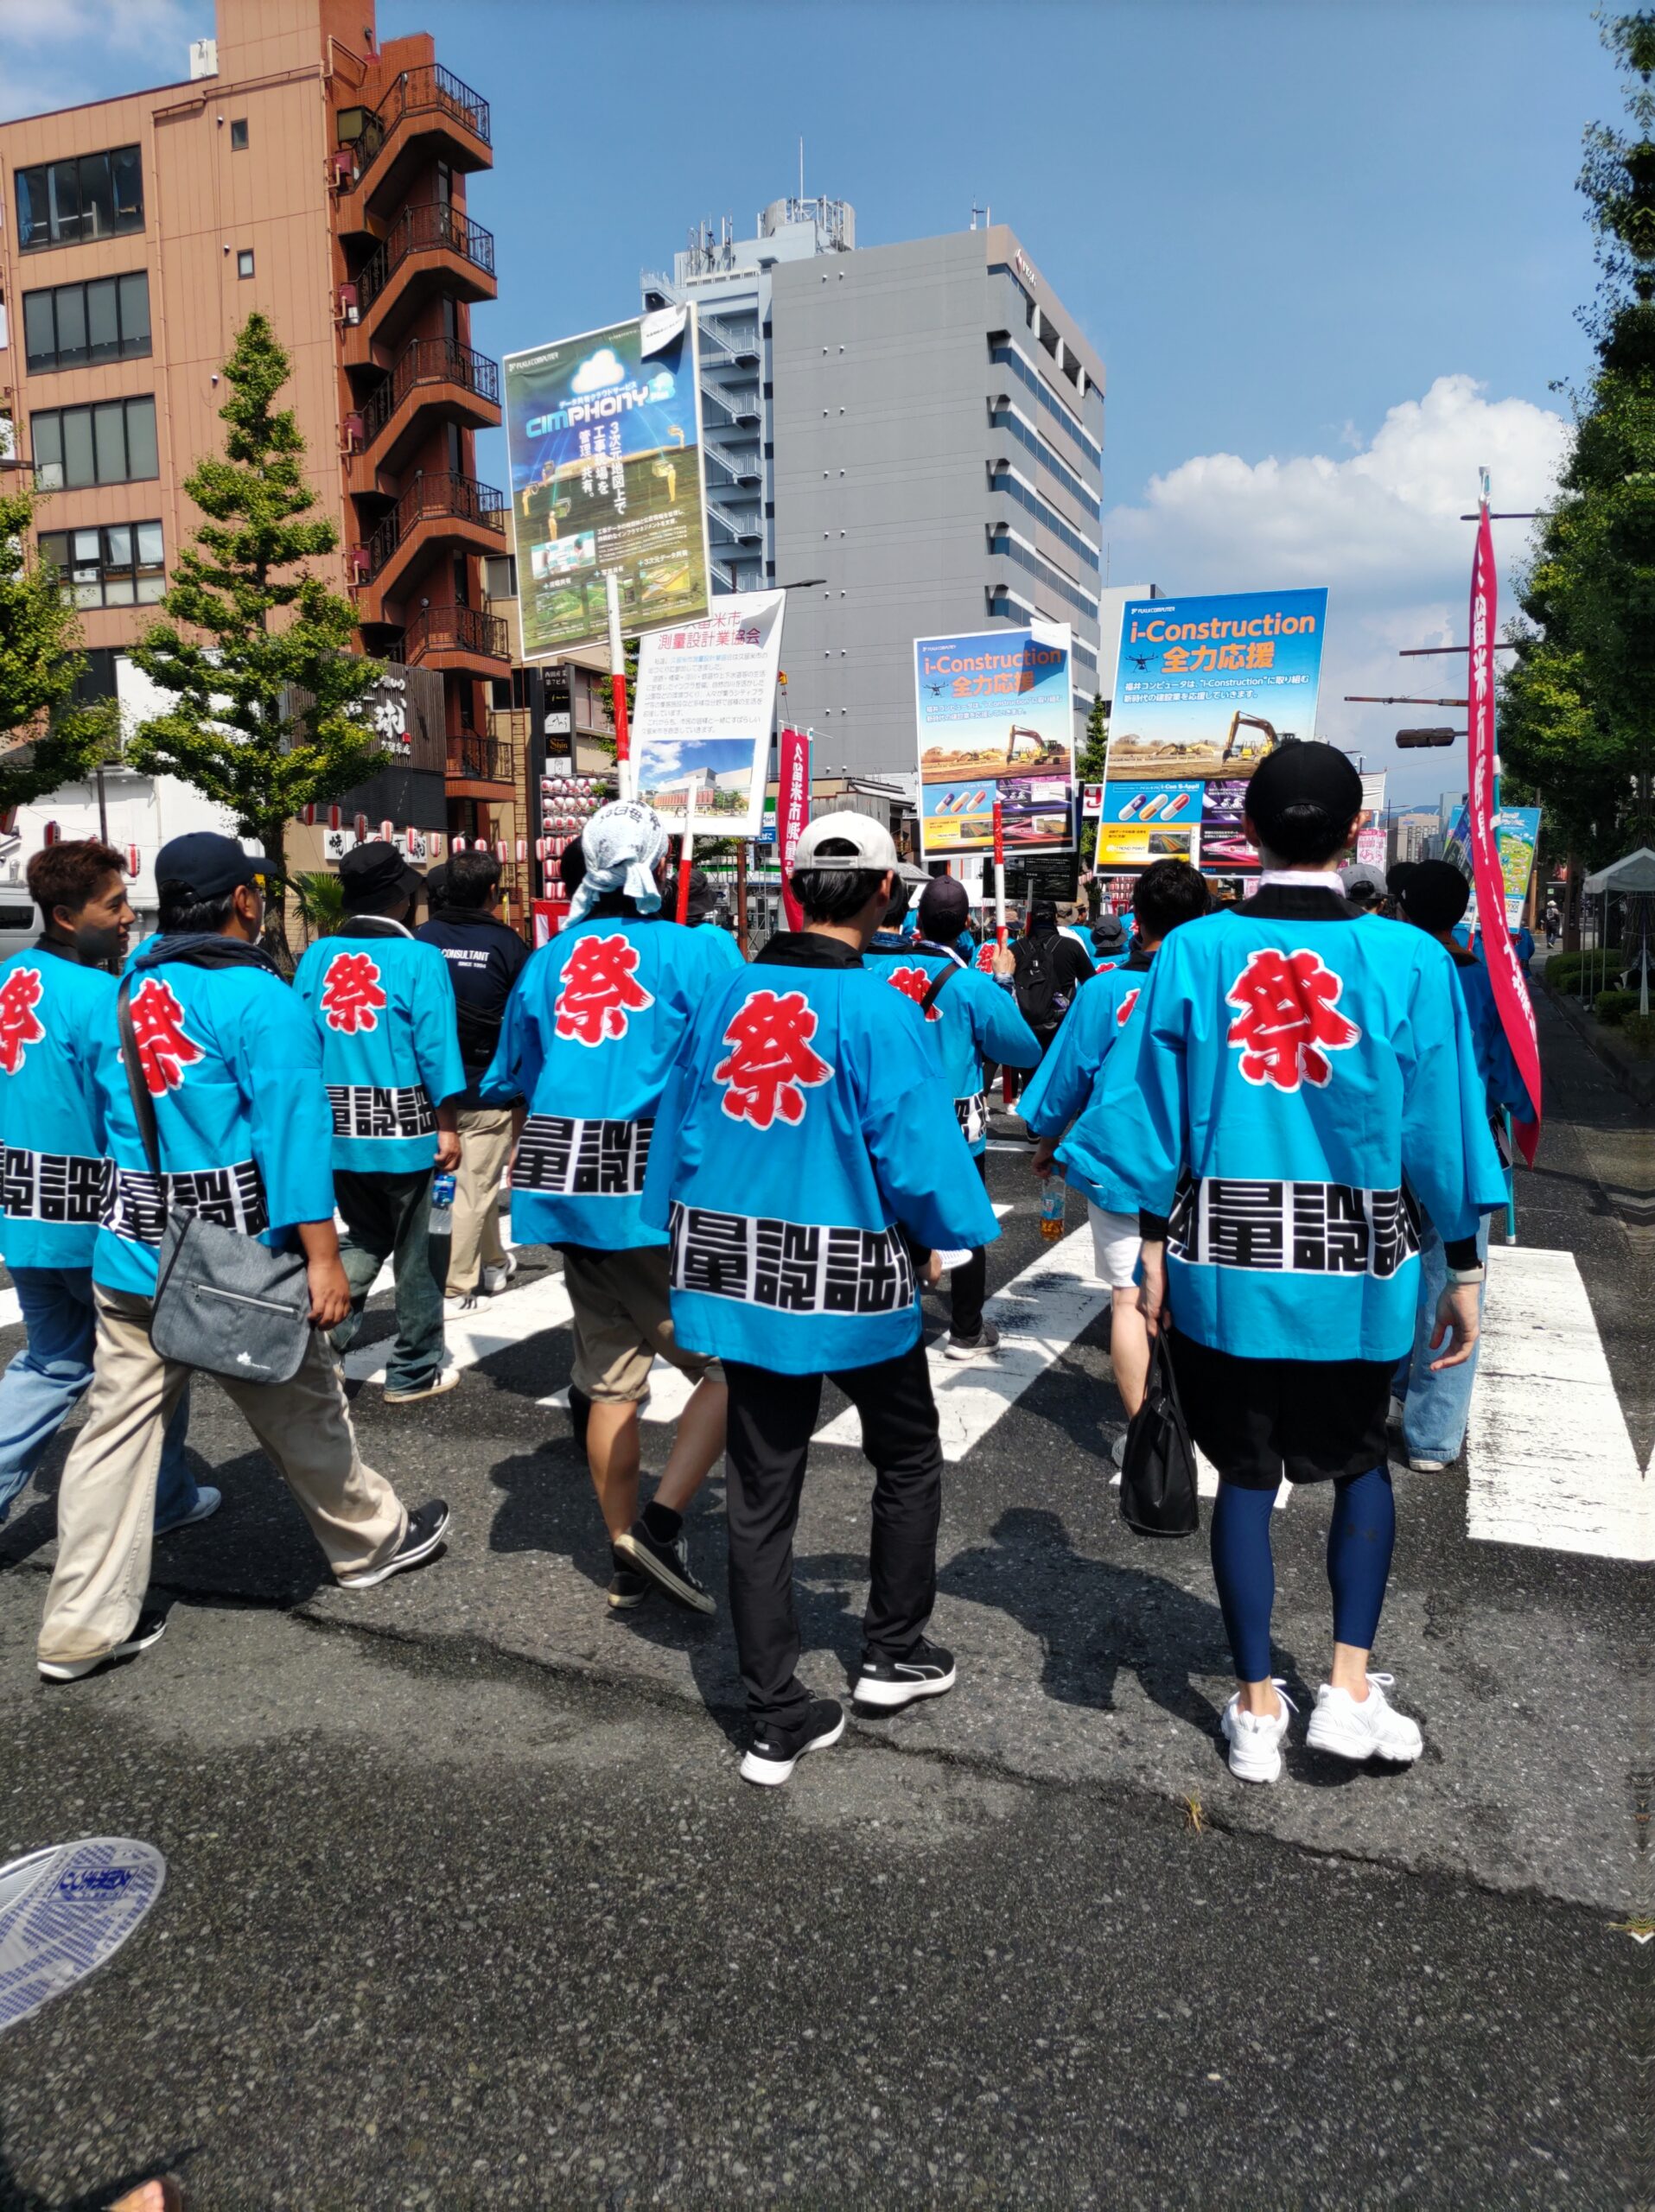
1637, 1085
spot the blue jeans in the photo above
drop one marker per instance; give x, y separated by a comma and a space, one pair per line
1436, 1406
48, 1378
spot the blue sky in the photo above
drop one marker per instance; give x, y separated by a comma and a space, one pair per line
1330, 253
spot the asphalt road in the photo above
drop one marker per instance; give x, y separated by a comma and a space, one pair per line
467, 1905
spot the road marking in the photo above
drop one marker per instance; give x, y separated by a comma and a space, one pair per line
1550, 1458
498, 1323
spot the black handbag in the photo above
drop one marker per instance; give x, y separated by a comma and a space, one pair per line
1158, 1495
223, 1301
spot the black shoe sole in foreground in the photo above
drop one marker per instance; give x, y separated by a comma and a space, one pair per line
769, 1773
411, 1555
885, 1695
663, 1571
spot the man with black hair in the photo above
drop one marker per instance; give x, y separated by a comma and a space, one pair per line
806, 1160
54, 998
1087, 1086
384, 1008
485, 958
1307, 1074
1049, 970
233, 1063
969, 1018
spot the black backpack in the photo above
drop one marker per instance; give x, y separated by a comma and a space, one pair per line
1040, 1002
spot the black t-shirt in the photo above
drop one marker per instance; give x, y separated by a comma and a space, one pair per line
485, 959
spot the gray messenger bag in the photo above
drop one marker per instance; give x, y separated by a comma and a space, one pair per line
224, 1302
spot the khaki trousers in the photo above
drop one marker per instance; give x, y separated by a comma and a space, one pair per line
107, 1500
475, 1244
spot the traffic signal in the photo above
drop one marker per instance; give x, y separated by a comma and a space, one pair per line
1411, 737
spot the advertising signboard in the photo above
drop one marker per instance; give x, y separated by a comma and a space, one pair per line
1517, 832
996, 720
706, 698
1205, 687
1141, 823
1370, 830
603, 439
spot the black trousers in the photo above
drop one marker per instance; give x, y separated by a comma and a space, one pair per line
966, 1285
772, 1418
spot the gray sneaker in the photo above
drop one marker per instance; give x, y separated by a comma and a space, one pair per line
986, 1339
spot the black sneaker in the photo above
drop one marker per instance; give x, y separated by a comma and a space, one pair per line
775, 1752
627, 1588
928, 1671
423, 1536
151, 1627
986, 1339
667, 1564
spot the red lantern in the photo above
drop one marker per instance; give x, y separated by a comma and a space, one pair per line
388, 831
360, 825
434, 843
308, 814
132, 859
457, 844
333, 817
51, 834
500, 850
523, 848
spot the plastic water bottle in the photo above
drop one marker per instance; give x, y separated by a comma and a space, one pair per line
443, 1205
1054, 1193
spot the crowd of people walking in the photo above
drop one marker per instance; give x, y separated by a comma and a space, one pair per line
1278, 1112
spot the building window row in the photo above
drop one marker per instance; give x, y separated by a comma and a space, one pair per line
117, 564
77, 326
1003, 477
113, 442
1013, 547
1007, 419
88, 196
1010, 356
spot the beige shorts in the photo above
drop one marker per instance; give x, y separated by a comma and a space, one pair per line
623, 1318
1115, 1246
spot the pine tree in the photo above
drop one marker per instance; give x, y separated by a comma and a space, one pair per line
49, 739
1577, 711
1090, 766
268, 715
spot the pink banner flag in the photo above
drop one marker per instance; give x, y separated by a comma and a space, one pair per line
793, 812
1510, 993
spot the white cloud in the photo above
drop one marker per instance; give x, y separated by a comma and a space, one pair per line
597, 371
58, 53
1380, 527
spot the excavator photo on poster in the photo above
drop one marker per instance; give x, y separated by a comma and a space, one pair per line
1206, 687
995, 721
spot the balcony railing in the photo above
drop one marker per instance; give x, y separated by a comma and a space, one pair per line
429, 360
429, 88
439, 494
434, 223
482, 760
454, 630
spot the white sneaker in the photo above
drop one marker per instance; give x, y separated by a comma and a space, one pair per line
1373, 1729
495, 1279
454, 1309
1428, 1467
1256, 1739
445, 1379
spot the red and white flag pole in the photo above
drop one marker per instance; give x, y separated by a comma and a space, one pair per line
999, 876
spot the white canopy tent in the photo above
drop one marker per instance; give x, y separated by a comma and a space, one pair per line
1631, 878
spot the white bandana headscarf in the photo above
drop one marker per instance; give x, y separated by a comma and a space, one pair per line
623, 844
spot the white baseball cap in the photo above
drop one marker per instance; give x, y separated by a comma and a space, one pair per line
871, 841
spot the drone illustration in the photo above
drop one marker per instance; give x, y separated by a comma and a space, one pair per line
935, 689
1140, 661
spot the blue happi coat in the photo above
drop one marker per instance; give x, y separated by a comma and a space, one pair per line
53, 1188
383, 1008
1079, 1088
1307, 1075
1505, 1088
806, 1141
974, 1019
233, 1065
591, 1030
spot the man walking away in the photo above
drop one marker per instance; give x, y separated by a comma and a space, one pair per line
233, 1065
1437, 1401
1086, 1085
384, 1008
485, 958
969, 1018
1050, 968
53, 999
1307, 1073
807, 1158
590, 1035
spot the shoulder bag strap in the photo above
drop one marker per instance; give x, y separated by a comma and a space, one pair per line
143, 1104
935, 991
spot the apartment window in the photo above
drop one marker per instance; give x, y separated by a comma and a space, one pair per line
76, 325
89, 196
238, 134
245, 262
119, 565
111, 443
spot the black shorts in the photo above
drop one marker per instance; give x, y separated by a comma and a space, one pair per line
1312, 1419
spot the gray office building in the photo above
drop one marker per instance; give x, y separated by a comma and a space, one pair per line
919, 452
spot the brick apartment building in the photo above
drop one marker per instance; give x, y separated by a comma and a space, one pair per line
306, 170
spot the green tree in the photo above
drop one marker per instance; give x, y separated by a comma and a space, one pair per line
49, 740
1090, 764
1577, 708
268, 714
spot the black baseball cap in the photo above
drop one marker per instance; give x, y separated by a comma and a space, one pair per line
1435, 895
1305, 774
375, 871
204, 865
944, 907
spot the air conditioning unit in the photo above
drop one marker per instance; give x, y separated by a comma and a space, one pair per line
348, 311
350, 432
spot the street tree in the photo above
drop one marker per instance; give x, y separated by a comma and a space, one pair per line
1090, 767
1577, 727
269, 711
49, 739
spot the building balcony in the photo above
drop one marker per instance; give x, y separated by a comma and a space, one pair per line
428, 114
434, 380
429, 248
437, 512
482, 767
455, 637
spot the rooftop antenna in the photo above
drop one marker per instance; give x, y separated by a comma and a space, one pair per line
975, 212
801, 166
